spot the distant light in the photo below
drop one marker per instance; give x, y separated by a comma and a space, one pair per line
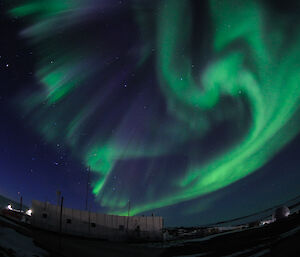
264, 222
9, 207
29, 212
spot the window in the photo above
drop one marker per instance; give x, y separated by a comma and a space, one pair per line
93, 225
121, 228
69, 221
44, 215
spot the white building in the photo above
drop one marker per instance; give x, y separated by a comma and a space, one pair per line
95, 225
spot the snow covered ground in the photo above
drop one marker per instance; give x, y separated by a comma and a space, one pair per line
15, 244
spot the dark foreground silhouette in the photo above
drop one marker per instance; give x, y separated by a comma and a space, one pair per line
279, 239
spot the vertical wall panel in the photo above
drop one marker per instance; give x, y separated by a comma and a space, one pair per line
104, 225
76, 221
93, 224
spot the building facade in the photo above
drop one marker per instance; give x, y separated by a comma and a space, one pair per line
95, 225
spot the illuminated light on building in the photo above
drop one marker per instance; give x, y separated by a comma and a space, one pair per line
29, 212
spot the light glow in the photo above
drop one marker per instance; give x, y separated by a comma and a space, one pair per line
29, 212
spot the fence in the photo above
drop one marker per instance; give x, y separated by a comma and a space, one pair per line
95, 225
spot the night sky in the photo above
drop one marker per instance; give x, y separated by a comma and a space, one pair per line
187, 109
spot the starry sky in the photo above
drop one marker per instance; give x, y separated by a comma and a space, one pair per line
187, 109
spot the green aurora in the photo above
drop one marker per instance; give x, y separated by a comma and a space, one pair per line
247, 67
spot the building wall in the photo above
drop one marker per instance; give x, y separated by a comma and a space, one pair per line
95, 225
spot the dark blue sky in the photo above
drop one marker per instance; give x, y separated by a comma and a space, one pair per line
36, 168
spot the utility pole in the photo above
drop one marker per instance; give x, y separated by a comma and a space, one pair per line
58, 194
60, 220
21, 203
128, 214
128, 207
87, 188
60, 216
